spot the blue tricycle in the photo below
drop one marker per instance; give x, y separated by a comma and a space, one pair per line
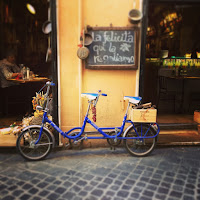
35, 142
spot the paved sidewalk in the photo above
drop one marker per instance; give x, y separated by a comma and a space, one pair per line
171, 173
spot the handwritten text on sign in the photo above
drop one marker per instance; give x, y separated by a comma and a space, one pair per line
112, 47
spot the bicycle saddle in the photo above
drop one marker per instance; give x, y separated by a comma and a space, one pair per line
133, 100
90, 96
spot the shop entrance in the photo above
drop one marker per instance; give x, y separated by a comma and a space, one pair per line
171, 71
28, 33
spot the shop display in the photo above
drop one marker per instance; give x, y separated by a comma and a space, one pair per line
10, 133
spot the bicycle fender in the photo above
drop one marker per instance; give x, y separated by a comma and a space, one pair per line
127, 129
45, 129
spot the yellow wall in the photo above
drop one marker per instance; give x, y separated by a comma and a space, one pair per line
73, 15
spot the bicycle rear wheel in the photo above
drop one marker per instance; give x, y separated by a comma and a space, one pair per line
28, 149
140, 147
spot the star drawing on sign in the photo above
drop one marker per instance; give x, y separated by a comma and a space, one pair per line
125, 47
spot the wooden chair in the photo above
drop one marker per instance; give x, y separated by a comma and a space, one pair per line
194, 102
12, 99
164, 93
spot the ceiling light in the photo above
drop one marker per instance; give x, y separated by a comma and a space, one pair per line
30, 8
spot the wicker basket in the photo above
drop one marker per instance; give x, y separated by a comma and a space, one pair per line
38, 121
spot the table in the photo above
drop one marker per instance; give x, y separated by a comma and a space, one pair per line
187, 91
184, 77
36, 79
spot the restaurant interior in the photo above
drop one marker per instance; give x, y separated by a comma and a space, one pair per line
22, 30
172, 66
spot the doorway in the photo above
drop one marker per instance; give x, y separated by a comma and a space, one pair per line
170, 71
22, 31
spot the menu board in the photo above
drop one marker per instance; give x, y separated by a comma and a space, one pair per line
113, 48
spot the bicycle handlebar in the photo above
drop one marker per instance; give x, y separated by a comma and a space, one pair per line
48, 83
103, 94
97, 98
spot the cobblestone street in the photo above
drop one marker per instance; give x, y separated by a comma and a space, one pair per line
170, 173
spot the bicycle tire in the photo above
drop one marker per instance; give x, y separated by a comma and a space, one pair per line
140, 147
26, 148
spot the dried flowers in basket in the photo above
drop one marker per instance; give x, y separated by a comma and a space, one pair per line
39, 100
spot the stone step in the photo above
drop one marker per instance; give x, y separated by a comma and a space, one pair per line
178, 126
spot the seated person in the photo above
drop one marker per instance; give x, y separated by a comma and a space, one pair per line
8, 70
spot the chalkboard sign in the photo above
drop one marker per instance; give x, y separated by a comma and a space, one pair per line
113, 48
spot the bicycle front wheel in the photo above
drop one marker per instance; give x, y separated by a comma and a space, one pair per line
28, 149
142, 146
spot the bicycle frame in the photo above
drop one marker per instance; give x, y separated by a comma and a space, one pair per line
100, 130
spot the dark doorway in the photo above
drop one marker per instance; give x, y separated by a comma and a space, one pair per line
169, 78
21, 30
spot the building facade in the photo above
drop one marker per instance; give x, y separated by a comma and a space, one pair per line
74, 77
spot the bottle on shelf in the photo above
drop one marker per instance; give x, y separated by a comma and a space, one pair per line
180, 70
28, 73
23, 71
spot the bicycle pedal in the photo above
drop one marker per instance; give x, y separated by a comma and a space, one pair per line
67, 144
85, 137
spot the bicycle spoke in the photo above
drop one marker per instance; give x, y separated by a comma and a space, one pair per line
26, 144
142, 146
